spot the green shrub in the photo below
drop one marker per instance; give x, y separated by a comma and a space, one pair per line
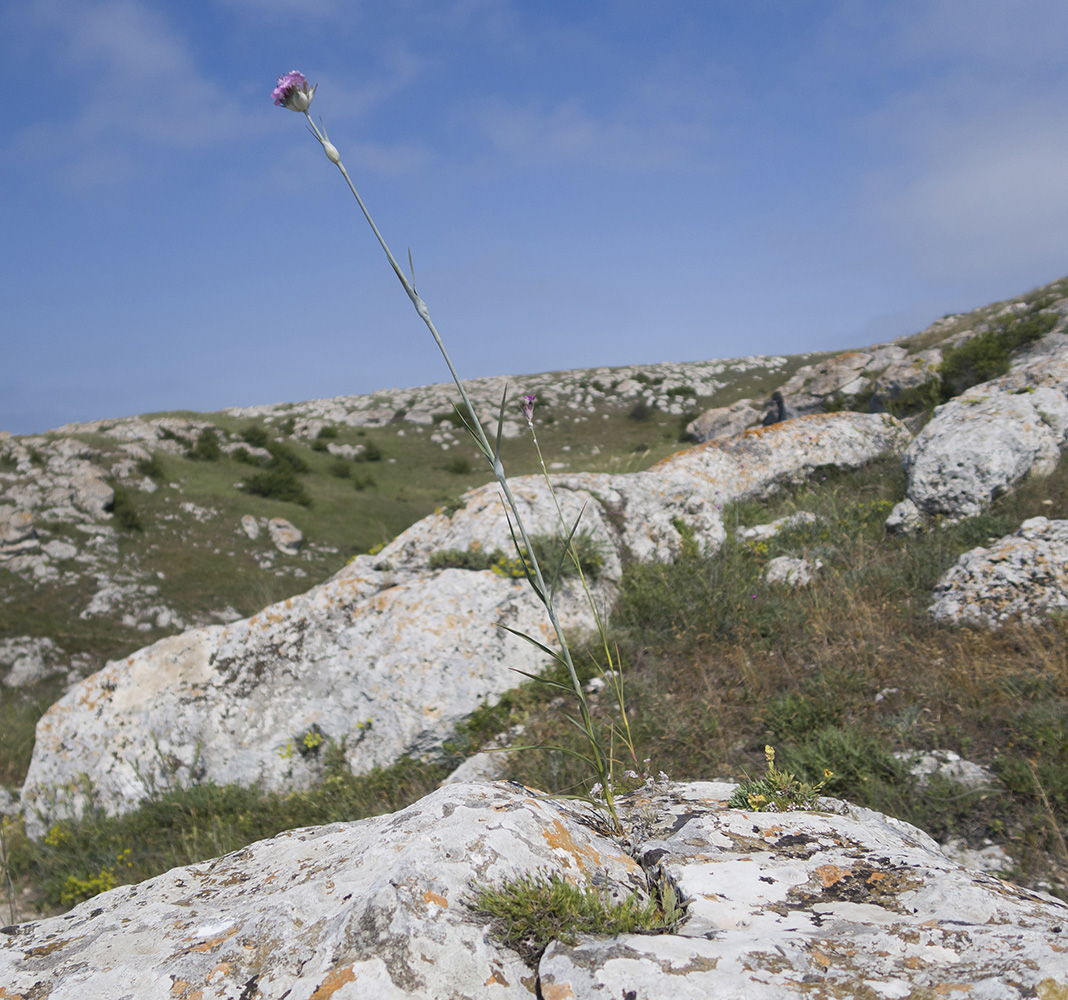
640, 411
459, 466
124, 511
341, 469
371, 453
278, 482
987, 355
364, 482
473, 559
281, 455
255, 435
207, 448
152, 467
329, 431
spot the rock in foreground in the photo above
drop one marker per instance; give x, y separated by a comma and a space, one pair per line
778, 906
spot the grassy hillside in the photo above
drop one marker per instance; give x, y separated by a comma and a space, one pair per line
839, 676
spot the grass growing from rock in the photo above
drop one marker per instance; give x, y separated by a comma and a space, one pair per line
535, 909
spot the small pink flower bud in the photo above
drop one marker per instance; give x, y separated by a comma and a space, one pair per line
292, 91
527, 406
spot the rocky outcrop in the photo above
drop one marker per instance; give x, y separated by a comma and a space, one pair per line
1021, 577
287, 538
791, 571
724, 421
985, 440
388, 655
17, 534
842, 376
847, 902
904, 376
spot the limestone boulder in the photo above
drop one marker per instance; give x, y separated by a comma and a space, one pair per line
387, 657
844, 902
905, 375
17, 533
379, 663
762, 532
285, 536
988, 438
843, 376
852, 904
724, 421
789, 571
1023, 576
26, 659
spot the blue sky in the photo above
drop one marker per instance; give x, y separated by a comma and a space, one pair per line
581, 183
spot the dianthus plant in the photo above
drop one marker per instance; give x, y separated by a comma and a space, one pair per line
293, 92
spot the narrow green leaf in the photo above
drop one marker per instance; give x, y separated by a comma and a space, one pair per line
500, 426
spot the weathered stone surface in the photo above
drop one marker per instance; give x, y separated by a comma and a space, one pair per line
17, 534
948, 765
26, 660
389, 655
287, 537
905, 375
762, 532
387, 666
844, 903
250, 526
979, 444
368, 909
791, 571
905, 518
1023, 576
842, 376
725, 421
802, 904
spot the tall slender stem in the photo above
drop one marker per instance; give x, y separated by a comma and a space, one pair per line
491, 456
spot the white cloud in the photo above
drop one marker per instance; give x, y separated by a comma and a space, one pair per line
138, 87
567, 135
972, 137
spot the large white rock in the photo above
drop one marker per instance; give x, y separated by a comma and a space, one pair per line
389, 655
845, 903
979, 444
801, 904
725, 421
1023, 576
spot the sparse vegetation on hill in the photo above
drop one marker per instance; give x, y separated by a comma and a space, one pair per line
848, 675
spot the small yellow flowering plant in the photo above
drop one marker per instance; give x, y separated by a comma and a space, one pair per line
778, 790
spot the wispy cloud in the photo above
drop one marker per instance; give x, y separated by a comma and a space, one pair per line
568, 135
973, 137
135, 86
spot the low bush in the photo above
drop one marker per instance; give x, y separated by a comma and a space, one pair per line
987, 355
207, 447
152, 468
278, 482
255, 435
124, 510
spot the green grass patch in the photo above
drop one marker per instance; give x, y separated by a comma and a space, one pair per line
535, 909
